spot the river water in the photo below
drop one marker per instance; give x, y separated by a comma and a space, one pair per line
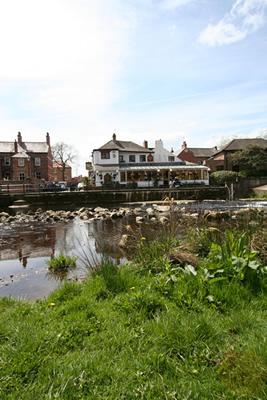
26, 249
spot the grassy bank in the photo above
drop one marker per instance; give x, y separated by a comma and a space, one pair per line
147, 330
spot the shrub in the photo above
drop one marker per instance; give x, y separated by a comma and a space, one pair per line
61, 263
222, 177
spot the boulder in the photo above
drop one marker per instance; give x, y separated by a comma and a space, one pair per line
163, 220
182, 257
139, 220
124, 241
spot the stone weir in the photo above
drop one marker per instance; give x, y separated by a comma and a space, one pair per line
111, 197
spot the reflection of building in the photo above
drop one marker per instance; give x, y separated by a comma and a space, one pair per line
30, 244
30, 161
126, 163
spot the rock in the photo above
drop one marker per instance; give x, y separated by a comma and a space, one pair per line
182, 257
100, 209
163, 220
81, 210
139, 220
137, 211
150, 212
162, 208
124, 241
115, 215
4, 214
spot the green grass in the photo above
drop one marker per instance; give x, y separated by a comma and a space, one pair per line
61, 263
142, 331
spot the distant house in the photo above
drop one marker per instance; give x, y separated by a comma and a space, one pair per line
25, 161
195, 155
127, 163
222, 159
60, 173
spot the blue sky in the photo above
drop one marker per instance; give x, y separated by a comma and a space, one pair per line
150, 69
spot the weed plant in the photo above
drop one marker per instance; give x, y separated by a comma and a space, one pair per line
146, 330
61, 263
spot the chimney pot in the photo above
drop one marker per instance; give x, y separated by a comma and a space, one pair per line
114, 137
184, 145
47, 138
19, 138
16, 146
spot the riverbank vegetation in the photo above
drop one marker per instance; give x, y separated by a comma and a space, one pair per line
155, 328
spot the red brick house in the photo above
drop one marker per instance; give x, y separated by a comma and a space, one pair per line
222, 160
196, 155
25, 161
58, 172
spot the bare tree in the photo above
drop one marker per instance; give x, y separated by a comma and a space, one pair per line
64, 155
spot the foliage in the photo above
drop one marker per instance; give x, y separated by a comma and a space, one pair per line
61, 263
222, 177
253, 161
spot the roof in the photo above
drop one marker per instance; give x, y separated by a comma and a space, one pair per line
21, 153
243, 144
122, 145
30, 147
57, 164
200, 151
156, 168
7, 147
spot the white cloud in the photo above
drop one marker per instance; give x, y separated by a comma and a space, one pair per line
173, 4
244, 18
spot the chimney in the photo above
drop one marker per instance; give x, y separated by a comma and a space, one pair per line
114, 137
215, 148
172, 150
184, 145
145, 144
47, 139
19, 138
16, 146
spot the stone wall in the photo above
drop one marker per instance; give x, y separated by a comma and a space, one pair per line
71, 200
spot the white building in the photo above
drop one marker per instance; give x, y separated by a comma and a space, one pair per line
124, 163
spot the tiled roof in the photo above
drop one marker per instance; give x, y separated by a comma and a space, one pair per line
200, 151
124, 146
7, 147
243, 144
31, 147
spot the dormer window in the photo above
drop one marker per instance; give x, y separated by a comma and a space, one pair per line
105, 154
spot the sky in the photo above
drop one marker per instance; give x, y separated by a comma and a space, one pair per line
174, 70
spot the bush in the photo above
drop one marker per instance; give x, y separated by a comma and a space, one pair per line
222, 177
62, 263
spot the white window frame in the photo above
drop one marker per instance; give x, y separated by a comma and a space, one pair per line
37, 161
21, 162
38, 173
21, 176
134, 156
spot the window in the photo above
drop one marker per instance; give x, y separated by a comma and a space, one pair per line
121, 158
171, 158
21, 162
105, 155
38, 174
114, 154
131, 158
21, 176
142, 158
37, 161
7, 161
123, 177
